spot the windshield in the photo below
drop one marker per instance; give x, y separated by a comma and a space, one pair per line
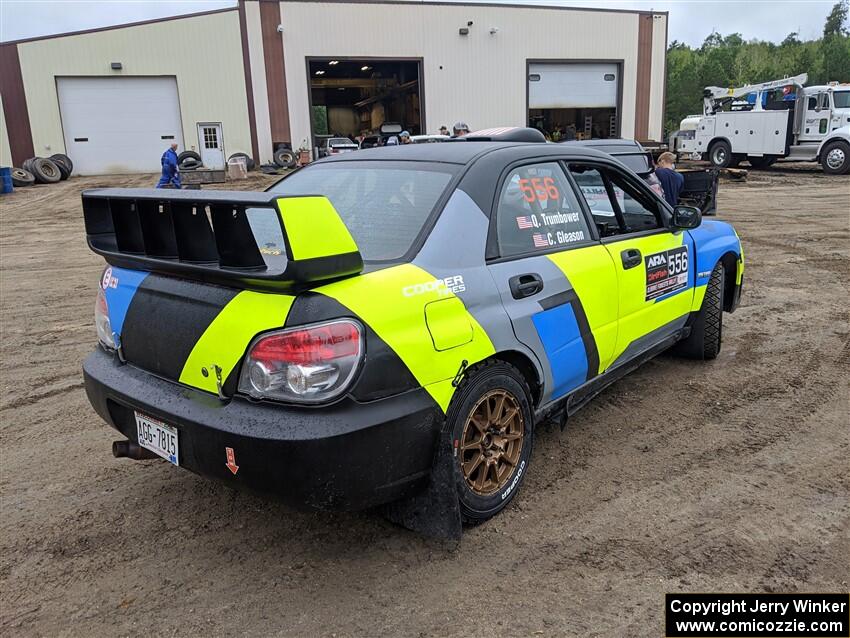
384, 205
841, 99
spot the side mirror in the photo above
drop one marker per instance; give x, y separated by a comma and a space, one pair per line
686, 217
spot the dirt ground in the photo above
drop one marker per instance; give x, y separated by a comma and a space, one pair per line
726, 476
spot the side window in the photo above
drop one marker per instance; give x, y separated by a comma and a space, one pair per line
594, 188
538, 210
617, 205
639, 212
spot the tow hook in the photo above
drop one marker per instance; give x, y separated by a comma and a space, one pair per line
130, 450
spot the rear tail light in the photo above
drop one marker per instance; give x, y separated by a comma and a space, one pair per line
101, 321
311, 364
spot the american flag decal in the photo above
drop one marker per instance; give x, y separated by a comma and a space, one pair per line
524, 223
540, 241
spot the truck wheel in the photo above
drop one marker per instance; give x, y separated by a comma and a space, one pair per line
45, 171
60, 159
492, 432
284, 158
182, 157
720, 154
707, 327
22, 177
761, 162
835, 158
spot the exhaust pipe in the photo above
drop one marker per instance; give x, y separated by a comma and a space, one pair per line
130, 450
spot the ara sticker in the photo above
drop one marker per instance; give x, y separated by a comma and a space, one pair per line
666, 272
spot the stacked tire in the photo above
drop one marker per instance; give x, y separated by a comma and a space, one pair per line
43, 170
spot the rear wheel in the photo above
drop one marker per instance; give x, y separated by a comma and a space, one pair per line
720, 154
707, 327
492, 430
835, 158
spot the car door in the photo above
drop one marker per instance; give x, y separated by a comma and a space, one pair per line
556, 280
654, 266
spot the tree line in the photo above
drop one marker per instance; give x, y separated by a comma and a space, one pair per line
732, 61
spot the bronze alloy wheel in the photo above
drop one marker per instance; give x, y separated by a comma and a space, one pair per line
491, 443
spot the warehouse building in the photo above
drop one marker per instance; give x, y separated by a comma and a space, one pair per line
266, 74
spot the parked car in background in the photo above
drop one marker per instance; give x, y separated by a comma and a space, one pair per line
336, 145
427, 139
700, 187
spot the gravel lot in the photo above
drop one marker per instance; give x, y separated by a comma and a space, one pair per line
726, 476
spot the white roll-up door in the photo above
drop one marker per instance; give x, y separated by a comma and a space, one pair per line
119, 124
556, 85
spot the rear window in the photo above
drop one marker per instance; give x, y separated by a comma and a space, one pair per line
383, 205
339, 141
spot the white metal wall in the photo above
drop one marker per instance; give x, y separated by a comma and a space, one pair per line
203, 52
479, 78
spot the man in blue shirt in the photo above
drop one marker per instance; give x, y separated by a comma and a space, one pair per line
170, 173
671, 181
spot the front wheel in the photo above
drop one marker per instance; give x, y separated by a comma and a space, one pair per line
492, 433
835, 158
707, 326
720, 154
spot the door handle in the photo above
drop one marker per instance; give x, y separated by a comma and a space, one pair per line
631, 258
525, 285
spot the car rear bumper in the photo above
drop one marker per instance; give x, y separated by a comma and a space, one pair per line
347, 456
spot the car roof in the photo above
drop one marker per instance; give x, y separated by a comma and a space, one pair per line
603, 143
461, 152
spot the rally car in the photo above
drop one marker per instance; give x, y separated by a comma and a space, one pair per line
389, 325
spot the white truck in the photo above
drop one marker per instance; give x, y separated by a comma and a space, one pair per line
761, 123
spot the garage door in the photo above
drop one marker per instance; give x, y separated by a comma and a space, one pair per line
573, 85
119, 125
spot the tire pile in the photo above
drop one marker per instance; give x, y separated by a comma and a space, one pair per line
43, 170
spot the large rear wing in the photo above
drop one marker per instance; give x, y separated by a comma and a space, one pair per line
258, 240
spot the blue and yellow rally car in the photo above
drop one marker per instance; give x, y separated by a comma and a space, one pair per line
392, 323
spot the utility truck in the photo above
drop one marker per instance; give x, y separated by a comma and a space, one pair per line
761, 123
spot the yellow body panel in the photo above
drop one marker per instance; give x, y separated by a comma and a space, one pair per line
392, 301
594, 281
228, 336
638, 316
313, 228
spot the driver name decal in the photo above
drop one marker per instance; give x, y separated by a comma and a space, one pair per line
666, 272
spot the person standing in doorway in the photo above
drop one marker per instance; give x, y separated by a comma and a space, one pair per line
671, 182
170, 172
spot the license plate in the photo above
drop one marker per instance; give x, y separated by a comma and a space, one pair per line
158, 437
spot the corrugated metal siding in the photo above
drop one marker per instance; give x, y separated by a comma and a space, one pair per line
659, 70
479, 78
5, 149
204, 53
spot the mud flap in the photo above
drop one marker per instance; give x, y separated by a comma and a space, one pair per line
434, 512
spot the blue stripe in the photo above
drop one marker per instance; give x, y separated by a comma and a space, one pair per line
561, 338
118, 298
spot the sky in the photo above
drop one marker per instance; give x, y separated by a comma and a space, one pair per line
690, 20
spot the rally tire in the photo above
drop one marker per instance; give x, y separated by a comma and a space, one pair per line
720, 154
706, 334
22, 177
285, 158
186, 155
249, 161
45, 171
835, 158
484, 383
